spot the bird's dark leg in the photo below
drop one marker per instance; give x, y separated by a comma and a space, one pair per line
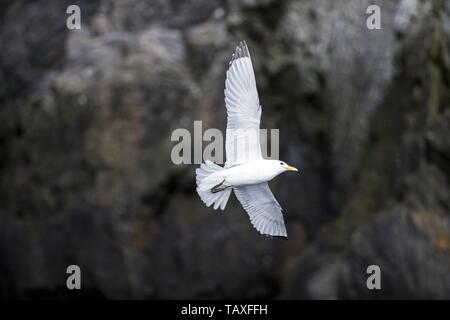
219, 187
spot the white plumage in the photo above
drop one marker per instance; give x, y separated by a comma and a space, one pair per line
245, 171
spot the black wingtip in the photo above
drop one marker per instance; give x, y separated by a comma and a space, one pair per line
278, 237
241, 51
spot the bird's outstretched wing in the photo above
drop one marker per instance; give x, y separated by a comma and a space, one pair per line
243, 110
262, 208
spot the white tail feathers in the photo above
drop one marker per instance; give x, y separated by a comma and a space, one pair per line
208, 177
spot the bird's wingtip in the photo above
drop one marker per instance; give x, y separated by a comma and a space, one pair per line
276, 236
241, 51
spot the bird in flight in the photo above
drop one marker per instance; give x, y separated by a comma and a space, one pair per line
245, 172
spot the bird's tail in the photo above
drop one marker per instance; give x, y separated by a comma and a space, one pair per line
210, 186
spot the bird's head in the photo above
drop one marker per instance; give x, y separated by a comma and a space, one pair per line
285, 167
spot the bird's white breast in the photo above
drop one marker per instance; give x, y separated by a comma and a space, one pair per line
249, 173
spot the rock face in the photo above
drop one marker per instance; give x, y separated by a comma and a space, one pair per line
86, 176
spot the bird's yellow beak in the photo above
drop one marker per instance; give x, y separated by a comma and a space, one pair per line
292, 168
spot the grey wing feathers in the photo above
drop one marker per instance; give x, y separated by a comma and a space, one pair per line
263, 209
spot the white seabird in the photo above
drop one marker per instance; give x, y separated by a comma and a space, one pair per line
246, 171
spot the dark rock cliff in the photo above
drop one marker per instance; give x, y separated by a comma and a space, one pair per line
86, 175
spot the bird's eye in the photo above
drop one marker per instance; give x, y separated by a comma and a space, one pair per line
281, 163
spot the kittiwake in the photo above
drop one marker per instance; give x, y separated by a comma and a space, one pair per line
245, 172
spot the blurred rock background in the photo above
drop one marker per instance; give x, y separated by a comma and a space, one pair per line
86, 176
